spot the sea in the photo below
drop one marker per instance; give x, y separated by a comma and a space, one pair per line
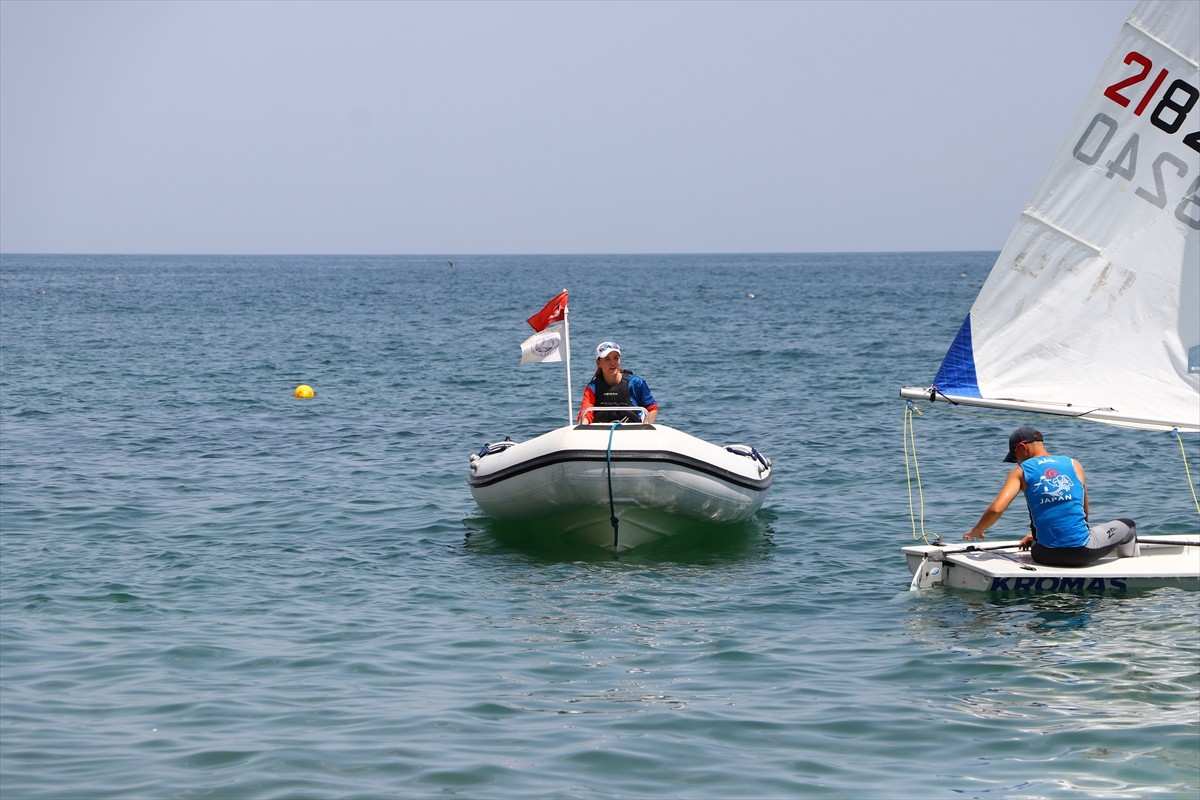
212, 589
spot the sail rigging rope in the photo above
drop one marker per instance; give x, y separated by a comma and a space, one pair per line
915, 470
953, 408
1010, 417
1186, 470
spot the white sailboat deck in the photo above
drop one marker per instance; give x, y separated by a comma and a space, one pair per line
1172, 560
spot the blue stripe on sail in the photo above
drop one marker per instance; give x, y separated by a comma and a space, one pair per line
957, 374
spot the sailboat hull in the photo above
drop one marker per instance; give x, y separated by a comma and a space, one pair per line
1171, 560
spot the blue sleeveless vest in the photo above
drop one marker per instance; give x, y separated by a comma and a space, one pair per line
1054, 494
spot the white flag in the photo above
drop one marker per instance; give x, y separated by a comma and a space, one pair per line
545, 345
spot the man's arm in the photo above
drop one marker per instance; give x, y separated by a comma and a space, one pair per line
991, 515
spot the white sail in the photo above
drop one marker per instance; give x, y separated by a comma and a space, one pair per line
1093, 307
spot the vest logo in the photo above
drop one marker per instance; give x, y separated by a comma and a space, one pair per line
1054, 487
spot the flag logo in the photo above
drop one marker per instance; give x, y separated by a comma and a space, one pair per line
543, 346
546, 345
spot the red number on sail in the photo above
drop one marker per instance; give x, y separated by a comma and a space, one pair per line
1114, 92
1153, 88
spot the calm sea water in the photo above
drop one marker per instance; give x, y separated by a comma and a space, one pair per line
209, 589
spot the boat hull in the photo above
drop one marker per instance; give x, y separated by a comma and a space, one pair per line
655, 480
1170, 560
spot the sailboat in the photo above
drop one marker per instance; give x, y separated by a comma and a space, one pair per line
1092, 309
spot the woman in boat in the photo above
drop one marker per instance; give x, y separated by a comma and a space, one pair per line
1056, 492
613, 386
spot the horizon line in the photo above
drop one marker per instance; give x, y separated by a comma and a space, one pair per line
486, 255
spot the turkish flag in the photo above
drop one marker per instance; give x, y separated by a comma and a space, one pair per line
553, 312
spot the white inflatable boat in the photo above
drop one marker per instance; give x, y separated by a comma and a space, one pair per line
618, 485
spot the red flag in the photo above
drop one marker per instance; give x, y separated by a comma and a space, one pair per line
553, 312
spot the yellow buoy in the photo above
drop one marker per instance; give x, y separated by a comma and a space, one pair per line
303, 392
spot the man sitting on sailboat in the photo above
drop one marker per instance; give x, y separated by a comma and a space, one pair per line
1056, 492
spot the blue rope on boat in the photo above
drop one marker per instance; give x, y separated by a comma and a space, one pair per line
608, 463
499, 447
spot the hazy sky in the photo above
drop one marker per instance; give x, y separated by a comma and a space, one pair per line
533, 127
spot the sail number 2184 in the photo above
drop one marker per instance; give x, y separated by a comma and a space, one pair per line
1176, 103
1174, 106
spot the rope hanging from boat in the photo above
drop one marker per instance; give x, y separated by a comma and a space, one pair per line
612, 512
1186, 470
910, 441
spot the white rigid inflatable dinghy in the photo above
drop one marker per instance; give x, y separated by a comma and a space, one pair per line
618, 485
